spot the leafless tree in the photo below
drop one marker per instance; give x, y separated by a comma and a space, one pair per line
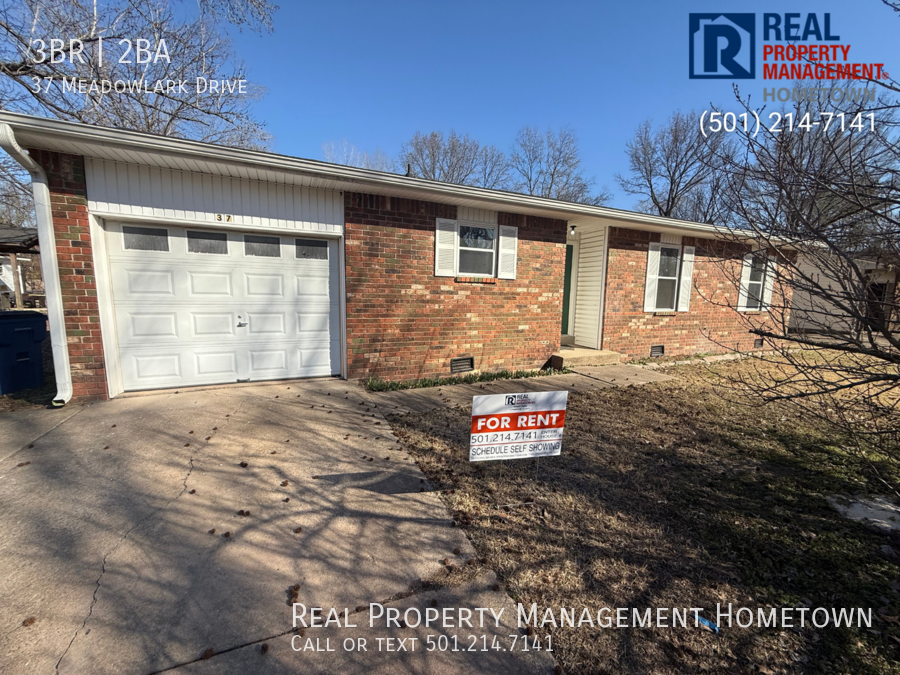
348, 154
828, 200
196, 48
492, 170
549, 165
451, 159
677, 171
71, 88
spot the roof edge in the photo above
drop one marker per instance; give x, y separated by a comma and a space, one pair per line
501, 200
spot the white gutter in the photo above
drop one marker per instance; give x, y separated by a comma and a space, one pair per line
139, 142
49, 265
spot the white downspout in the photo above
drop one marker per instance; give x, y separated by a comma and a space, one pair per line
49, 265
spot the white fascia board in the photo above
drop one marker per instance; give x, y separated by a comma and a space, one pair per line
45, 133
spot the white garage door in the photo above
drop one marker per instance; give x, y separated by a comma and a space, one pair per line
197, 306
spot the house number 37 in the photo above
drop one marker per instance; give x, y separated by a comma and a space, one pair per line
224, 217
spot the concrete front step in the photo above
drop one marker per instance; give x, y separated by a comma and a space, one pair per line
569, 357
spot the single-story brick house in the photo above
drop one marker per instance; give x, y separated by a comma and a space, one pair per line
173, 263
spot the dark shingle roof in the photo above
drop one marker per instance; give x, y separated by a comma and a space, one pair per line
17, 239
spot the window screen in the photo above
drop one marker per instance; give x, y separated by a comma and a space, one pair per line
208, 242
311, 249
145, 238
476, 250
756, 283
265, 247
667, 280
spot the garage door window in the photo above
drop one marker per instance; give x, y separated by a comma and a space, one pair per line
145, 239
208, 242
264, 247
311, 249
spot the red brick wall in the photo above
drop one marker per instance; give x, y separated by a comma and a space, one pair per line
68, 198
711, 325
405, 323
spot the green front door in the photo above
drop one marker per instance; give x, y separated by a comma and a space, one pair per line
567, 289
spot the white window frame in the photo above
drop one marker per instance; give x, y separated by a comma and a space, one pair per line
676, 278
459, 247
765, 284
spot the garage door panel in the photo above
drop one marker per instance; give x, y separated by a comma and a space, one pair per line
313, 323
315, 358
259, 285
153, 367
266, 323
269, 362
211, 325
210, 284
145, 325
218, 364
311, 287
186, 318
144, 281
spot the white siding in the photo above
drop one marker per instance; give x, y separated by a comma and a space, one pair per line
476, 215
665, 238
116, 188
589, 293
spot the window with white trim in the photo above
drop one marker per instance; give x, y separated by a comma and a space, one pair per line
477, 250
470, 249
757, 277
667, 278
670, 269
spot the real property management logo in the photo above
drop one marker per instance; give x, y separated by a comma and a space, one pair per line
795, 46
722, 46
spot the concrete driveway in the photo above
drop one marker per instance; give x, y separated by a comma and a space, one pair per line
123, 548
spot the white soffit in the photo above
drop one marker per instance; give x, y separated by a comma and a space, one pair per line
175, 153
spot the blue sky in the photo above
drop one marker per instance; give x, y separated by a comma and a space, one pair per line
374, 73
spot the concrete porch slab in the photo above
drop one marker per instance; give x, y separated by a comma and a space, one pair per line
573, 357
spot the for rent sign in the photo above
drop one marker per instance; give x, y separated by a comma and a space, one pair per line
517, 426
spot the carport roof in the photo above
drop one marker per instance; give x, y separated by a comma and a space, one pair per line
176, 153
18, 239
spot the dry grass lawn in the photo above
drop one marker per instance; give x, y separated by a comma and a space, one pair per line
668, 495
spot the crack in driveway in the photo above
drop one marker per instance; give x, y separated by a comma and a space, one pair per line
152, 514
402, 595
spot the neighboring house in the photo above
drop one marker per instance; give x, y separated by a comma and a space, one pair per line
19, 243
817, 313
179, 263
6, 276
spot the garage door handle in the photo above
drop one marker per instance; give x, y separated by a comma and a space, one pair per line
241, 324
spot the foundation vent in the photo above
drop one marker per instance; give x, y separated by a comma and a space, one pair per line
462, 364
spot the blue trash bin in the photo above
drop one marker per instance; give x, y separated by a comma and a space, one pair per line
21, 360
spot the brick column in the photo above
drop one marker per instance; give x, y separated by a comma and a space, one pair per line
68, 198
